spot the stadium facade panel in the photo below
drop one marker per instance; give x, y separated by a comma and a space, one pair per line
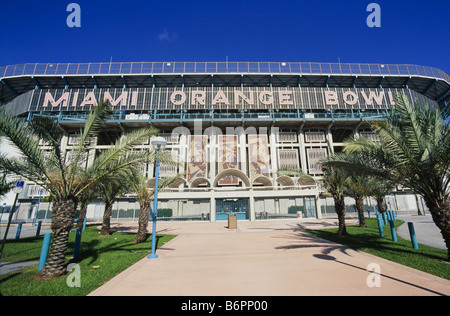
231, 126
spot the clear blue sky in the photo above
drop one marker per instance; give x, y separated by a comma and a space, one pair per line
413, 32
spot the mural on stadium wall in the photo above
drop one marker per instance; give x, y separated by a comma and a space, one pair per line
197, 157
227, 158
259, 157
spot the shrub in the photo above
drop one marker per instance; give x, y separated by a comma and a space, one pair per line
294, 209
164, 212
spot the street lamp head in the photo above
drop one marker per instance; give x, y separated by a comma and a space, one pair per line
159, 143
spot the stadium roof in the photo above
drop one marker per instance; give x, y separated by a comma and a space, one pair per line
18, 79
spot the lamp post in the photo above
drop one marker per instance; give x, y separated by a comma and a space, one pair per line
158, 144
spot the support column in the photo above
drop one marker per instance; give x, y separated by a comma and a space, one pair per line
251, 205
329, 137
242, 145
273, 153
303, 164
212, 155
212, 214
318, 206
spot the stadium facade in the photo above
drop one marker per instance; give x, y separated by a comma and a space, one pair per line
230, 125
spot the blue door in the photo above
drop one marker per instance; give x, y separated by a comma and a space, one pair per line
235, 206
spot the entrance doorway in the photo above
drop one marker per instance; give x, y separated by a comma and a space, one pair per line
310, 207
236, 206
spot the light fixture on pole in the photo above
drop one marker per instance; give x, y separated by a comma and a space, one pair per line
158, 143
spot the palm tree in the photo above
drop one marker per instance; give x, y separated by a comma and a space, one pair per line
413, 150
357, 186
5, 184
334, 181
65, 181
378, 188
110, 190
85, 199
139, 185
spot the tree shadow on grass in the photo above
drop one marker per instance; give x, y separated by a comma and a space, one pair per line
96, 247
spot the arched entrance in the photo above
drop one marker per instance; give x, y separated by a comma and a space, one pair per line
232, 172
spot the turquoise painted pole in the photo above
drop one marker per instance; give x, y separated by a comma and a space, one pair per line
19, 230
412, 234
38, 229
84, 223
380, 225
76, 247
393, 216
384, 218
394, 234
44, 250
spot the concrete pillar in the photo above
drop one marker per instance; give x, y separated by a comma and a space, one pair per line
303, 164
212, 214
251, 205
318, 206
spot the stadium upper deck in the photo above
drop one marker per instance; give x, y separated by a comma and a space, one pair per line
17, 79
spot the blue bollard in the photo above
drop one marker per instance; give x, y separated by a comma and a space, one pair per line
19, 230
412, 234
76, 247
84, 223
394, 234
389, 215
380, 225
368, 211
38, 229
44, 250
393, 216
385, 218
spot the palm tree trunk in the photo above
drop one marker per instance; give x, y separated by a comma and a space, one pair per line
440, 211
83, 211
141, 235
360, 207
63, 213
339, 207
381, 204
106, 227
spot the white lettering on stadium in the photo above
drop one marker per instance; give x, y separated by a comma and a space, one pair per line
212, 98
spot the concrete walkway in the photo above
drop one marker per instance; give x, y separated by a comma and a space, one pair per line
263, 258
427, 232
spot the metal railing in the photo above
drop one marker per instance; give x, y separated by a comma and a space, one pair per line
129, 68
245, 116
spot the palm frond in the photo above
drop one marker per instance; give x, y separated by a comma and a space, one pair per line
23, 138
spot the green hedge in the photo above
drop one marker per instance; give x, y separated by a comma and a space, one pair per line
294, 209
164, 212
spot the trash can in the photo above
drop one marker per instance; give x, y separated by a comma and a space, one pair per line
232, 221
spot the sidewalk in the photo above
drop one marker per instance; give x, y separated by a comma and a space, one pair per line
262, 258
426, 230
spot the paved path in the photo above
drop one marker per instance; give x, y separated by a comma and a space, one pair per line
8, 267
427, 232
263, 258
28, 230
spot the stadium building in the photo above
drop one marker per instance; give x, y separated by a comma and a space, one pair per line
231, 125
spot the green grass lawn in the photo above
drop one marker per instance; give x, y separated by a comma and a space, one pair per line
427, 259
109, 255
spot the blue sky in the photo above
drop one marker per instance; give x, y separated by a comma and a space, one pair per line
412, 32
